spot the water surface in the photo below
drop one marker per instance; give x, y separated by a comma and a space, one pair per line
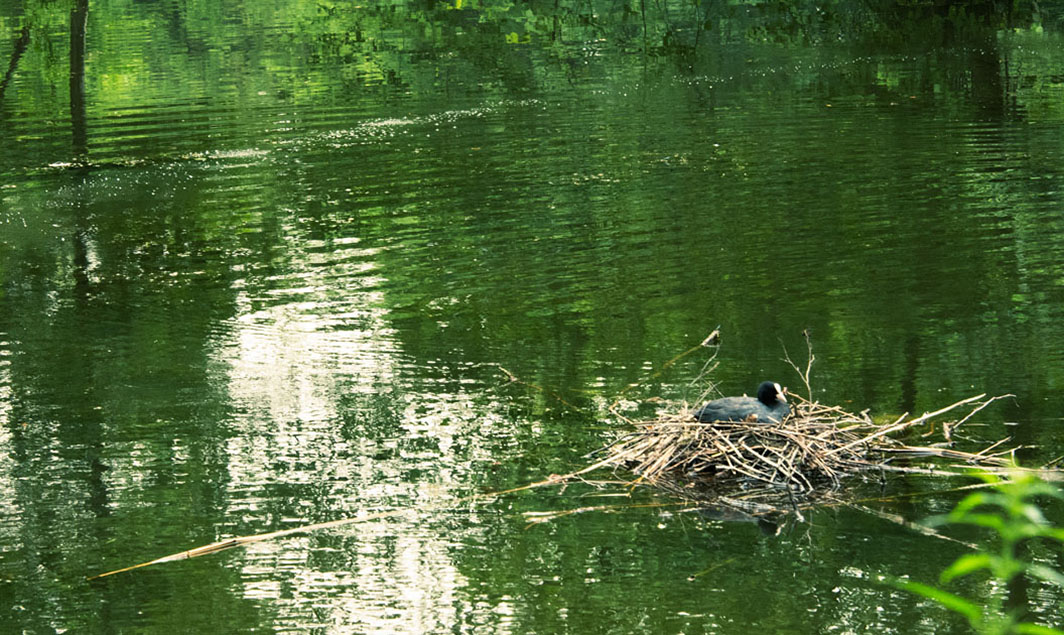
266, 274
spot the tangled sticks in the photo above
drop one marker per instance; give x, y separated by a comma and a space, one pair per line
811, 450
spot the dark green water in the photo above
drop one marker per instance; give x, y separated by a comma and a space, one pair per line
260, 277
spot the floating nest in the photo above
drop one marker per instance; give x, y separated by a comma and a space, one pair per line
811, 452
810, 458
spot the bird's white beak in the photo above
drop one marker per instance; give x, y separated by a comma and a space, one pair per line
781, 393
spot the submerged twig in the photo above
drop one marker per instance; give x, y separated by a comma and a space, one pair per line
240, 541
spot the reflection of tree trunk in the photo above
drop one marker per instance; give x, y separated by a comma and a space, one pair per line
82, 288
643, 10
90, 427
21, 44
78, 19
700, 23
555, 27
988, 88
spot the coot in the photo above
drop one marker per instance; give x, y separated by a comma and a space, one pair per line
769, 407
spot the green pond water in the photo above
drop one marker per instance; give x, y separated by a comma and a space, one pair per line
260, 262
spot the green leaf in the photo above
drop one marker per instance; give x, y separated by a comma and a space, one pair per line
1048, 574
1032, 514
967, 564
1035, 629
991, 521
1041, 488
955, 603
969, 502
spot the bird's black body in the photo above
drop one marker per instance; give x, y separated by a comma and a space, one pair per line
769, 407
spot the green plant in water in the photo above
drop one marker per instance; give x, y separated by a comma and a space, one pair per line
1007, 508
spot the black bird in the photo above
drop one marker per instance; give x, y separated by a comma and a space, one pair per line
769, 407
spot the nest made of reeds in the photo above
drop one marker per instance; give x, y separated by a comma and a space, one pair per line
813, 449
